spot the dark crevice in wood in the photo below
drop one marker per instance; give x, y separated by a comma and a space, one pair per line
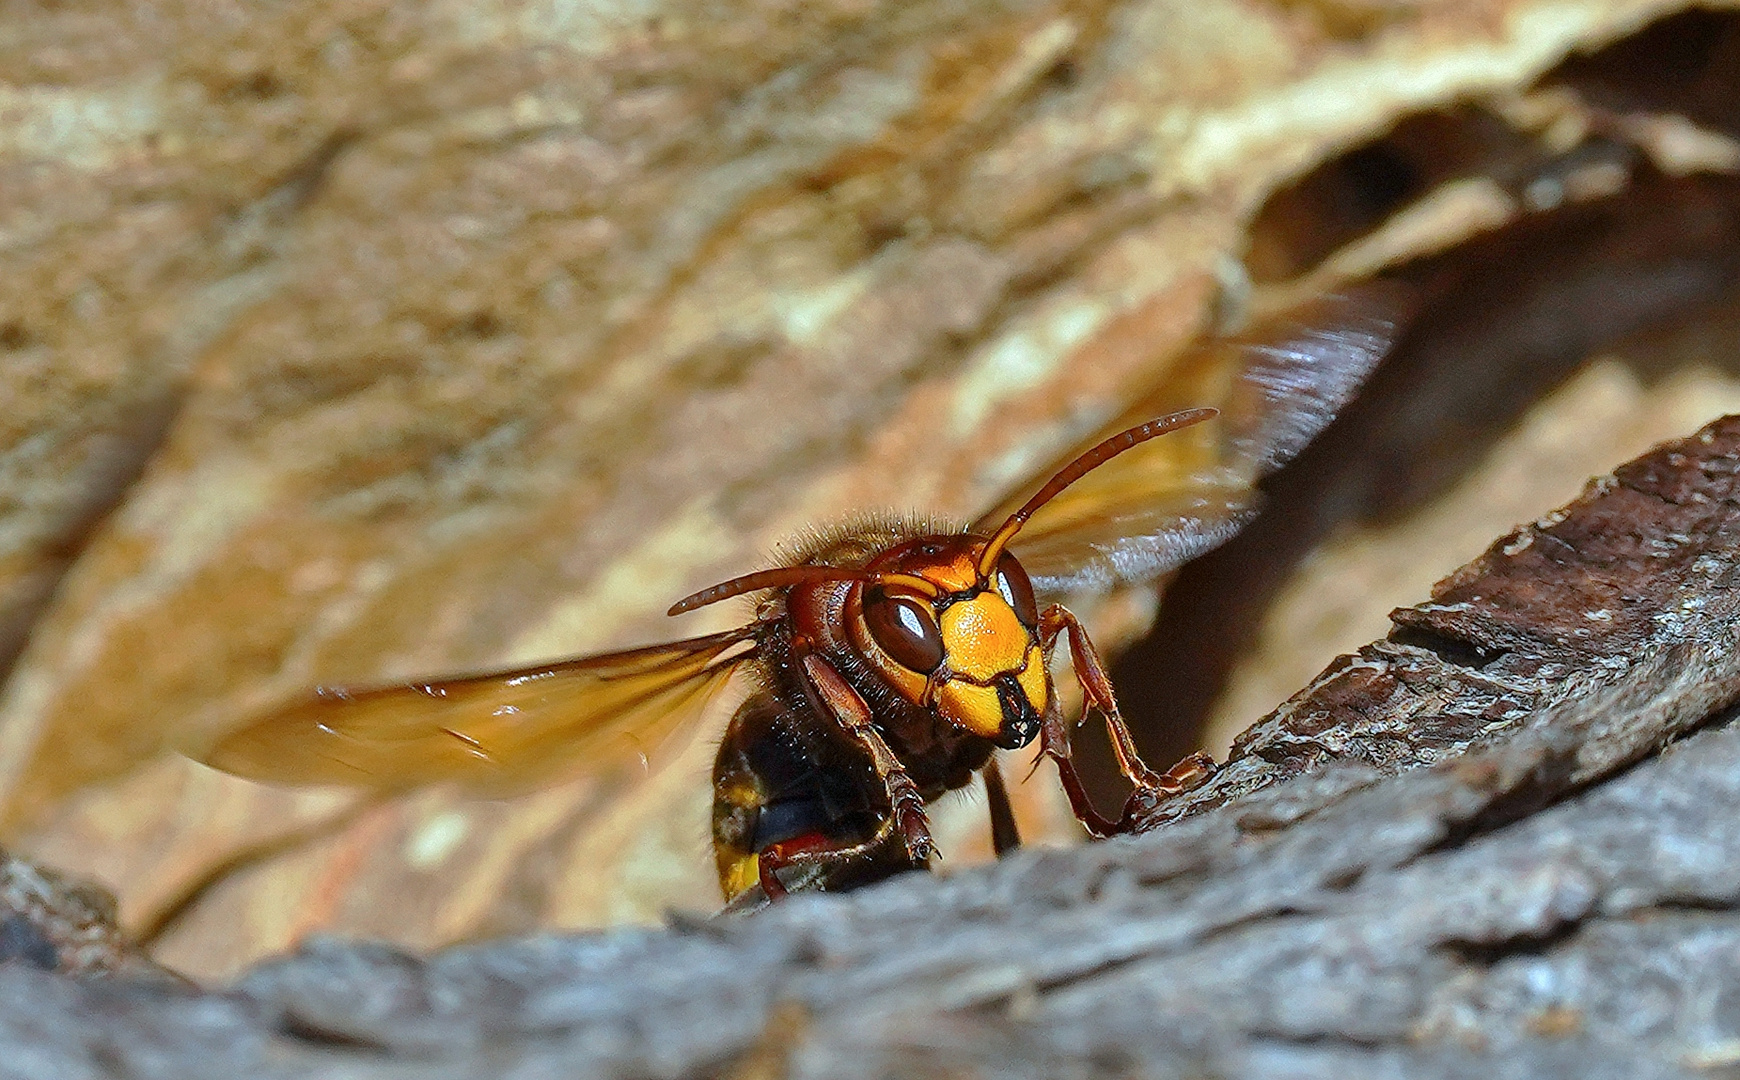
1508, 320
1353, 194
1491, 953
1688, 905
305, 1031
1511, 318
1687, 64
1452, 650
1318, 1040
1550, 782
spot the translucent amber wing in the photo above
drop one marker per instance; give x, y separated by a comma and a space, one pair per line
496, 733
1165, 502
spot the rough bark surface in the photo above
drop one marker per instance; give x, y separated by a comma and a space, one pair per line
1537, 903
1549, 614
55, 924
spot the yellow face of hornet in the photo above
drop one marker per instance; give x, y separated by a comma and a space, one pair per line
971, 651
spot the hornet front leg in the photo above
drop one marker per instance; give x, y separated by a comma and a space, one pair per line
1058, 621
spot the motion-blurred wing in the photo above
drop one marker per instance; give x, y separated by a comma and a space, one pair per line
1162, 504
497, 733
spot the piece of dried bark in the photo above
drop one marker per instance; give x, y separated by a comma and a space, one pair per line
1625, 594
51, 923
1527, 908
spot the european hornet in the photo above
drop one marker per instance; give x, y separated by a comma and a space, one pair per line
888, 659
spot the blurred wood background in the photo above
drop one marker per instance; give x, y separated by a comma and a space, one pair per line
364, 338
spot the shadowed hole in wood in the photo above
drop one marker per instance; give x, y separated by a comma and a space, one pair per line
1344, 879
1686, 64
1490, 953
1682, 905
1319, 1039
304, 1030
1547, 783
1349, 196
1509, 318
1451, 650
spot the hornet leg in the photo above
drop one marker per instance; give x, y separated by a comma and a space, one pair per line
1005, 837
1057, 621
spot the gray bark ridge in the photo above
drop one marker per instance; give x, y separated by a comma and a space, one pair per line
1476, 867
